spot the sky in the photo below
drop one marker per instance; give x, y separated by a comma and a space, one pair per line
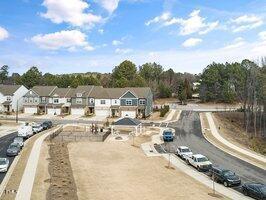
66, 36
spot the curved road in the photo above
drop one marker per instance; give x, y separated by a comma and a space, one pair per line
188, 133
5, 141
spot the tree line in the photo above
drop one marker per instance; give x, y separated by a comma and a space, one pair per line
162, 82
243, 82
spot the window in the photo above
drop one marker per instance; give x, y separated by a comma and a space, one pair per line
102, 101
115, 101
91, 100
79, 101
129, 102
8, 98
26, 100
36, 100
56, 100
79, 94
68, 100
30, 92
43, 99
31, 100
142, 102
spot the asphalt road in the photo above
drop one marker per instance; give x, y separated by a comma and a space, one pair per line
4, 143
188, 133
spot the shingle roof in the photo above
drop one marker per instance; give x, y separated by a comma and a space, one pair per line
61, 92
127, 121
85, 90
42, 90
9, 89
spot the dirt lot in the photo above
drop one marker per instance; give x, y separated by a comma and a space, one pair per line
117, 170
231, 127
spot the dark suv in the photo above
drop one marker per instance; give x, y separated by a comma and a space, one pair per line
227, 177
47, 124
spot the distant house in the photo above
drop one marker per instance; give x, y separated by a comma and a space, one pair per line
11, 97
37, 99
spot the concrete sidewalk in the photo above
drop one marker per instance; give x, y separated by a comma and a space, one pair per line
26, 184
237, 151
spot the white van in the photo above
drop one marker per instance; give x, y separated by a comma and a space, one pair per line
25, 131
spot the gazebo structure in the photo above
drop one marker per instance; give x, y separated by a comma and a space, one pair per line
128, 122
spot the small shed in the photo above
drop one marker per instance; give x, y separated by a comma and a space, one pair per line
128, 122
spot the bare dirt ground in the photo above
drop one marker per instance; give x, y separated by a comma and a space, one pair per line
42, 178
231, 128
118, 170
163, 101
62, 184
7, 127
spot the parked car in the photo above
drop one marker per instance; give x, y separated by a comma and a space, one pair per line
19, 140
255, 190
4, 164
37, 128
47, 124
199, 161
13, 149
227, 177
25, 131
168, 136
183, 151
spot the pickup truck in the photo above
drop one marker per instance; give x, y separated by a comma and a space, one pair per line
200, 162
168, 136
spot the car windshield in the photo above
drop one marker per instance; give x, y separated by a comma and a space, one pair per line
13, 146
36, 126
167, 133
17, 139
2, 162
202, 159
263, 189
228, 173
185, 150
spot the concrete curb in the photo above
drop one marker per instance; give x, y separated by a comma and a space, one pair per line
225, 142
27, 181
204, 179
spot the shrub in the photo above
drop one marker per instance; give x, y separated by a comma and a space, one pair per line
165, 109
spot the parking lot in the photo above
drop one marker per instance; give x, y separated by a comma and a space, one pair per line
188, 133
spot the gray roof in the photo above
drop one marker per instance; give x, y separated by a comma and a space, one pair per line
63, 92
127, 121
43, 90
9, 89
85, 90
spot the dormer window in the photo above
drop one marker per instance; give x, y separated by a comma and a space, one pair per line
8, 98
142, 102
79, 94
91, 100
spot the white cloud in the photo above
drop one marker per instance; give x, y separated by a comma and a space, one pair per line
116, 42
109, 5
238, 42
191, 42
262, 35
245, 22
123, 51
101, 31
72, 12
163, 17
194, 24
63, 39
3, 33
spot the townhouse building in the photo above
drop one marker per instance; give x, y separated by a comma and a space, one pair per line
90, 100
11, 97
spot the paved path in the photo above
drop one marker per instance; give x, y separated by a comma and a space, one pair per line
26, 184
188, 132
217, 135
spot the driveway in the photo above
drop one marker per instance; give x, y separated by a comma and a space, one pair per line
188, 133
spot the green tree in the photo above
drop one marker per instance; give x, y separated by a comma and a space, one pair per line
32, 77
182, 94
188, 88
164, 91
3, 73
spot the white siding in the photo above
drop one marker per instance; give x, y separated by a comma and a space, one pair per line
115, 102
18, 98
106, 105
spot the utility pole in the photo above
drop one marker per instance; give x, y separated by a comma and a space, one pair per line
17, 113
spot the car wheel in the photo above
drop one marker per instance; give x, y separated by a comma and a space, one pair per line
187, 162
245, 192
225, 184
198, 168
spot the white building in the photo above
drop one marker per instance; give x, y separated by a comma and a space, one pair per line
11, 97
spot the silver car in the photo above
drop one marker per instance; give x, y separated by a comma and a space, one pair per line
13, 149
19, 140
4, 164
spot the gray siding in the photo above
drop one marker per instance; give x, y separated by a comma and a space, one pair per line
128, 95
134, 102
83, 104
31, 99
149, 104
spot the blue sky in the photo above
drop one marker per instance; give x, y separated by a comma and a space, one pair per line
64, 36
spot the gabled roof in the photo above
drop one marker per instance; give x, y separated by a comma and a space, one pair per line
62, 92
98, 92
127, 121
141, 92
43, 90
8, 89
85, 90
